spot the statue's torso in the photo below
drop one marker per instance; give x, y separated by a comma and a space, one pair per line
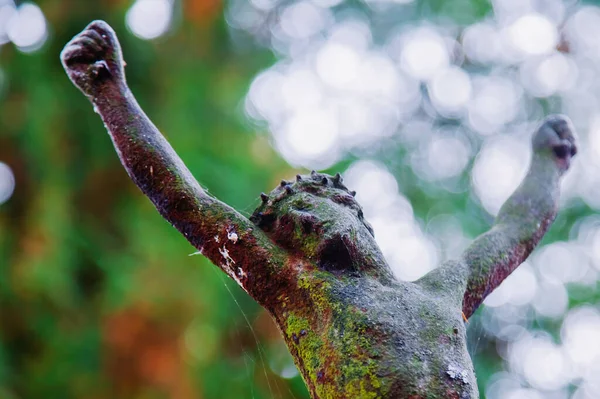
373, 341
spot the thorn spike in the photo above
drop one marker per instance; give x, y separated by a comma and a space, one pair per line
288, 189
284, 183
324, 181
264, 197
337, 178
313, 174
298, 178
353, 193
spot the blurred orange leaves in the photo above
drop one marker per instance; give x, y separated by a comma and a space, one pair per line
202, 12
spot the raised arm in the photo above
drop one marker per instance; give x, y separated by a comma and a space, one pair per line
520, 225
525, 216
94, 63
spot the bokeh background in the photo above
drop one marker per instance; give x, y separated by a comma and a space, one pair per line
426, 106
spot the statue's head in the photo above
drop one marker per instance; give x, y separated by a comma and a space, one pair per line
556, 138
318, 218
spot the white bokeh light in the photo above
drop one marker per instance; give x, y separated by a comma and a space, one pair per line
336, 91
551, 300
264, 5
587, 233
594, 136
450, 90
587, 390
540, 361
303, 19
560, 263
582, 30
7, 11
557, 72
523, 393
447, 156
265, 97
379, 78
410, 252
300, 89
376, 3
362, 122
443, 155
337, 64
533, 34
498, 170
149, 19
500, 384
26, 27
374, 185
357, 120
311, 132
7, 182
481, 43
580, 332
248, 15
353, 32
509, 9
547, 76
359, 88
595, 249
327, 3
424, 54
494, 103
519, 288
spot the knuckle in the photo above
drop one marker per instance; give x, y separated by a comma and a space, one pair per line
100, 27
77, 43
92, 35
70, 52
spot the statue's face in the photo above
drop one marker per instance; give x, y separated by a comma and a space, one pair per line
317, 217
556, 137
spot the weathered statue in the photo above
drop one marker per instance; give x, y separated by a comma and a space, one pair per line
309, 258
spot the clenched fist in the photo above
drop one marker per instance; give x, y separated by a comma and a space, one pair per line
93, 58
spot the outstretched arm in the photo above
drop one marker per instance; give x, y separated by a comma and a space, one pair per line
521, 223
94, 63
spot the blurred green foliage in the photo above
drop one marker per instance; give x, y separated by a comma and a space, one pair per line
98, 296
